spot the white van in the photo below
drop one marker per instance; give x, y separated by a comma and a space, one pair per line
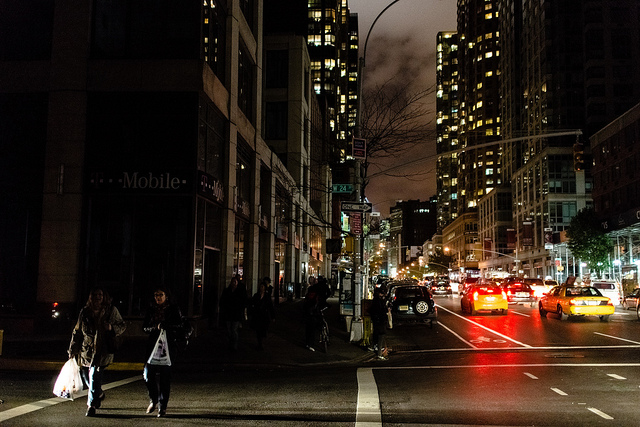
609, 289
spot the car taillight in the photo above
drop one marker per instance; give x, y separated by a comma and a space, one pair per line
508, 292
504, 296
475, 296
609, 302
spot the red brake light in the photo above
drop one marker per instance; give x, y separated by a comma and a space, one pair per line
55, 304
504, 296
475, 296
572, 301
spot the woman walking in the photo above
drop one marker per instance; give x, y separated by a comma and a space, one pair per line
93, 340
163, 314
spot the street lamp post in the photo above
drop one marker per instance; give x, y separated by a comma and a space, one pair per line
357, 326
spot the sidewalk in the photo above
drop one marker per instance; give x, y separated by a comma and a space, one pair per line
284, 346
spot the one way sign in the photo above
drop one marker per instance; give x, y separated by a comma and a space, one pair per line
356, 207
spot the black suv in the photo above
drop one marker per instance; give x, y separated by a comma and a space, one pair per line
412, 303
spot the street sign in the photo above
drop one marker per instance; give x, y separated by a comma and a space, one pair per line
356, 207
359, 148
342, 188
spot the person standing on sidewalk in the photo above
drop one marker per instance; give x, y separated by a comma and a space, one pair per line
233, 302
261, 312
311, 307
379, 319
162, 314
93, 340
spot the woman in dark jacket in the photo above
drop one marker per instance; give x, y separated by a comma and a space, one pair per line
93, 340
379, 319
262, 313
162, 314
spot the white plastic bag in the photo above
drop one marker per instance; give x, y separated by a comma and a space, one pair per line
160, 353
69, 380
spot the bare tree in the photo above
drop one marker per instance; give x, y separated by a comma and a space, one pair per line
394, 119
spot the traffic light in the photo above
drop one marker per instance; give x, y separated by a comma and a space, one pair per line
578, 156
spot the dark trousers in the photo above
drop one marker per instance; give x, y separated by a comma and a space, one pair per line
378, 338
158, 381
311, 326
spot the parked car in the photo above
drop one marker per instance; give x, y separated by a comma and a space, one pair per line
609, 289
518, 292
441, 286
567, 300
631, 300
412, 303
483, 297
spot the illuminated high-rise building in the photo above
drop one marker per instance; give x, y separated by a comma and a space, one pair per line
479, 114
447, 106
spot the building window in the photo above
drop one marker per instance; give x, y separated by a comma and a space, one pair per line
277, 69
246, 80
276, 120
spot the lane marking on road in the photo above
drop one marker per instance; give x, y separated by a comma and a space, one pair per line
616, 376
533, 377
517, 365
521, 314
580, 347
457, 336
560, 392
368, 413
41, 404
617, 338
485, 328
600, 413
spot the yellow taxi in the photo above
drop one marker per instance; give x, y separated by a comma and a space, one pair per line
568, 300
487, 296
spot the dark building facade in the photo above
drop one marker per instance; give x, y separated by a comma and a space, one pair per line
133, 144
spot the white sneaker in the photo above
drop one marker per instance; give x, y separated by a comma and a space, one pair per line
310, 348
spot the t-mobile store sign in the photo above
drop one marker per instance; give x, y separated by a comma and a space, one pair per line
138, 181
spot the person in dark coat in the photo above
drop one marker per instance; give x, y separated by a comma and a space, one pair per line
268, 286
162, 314
379, 319
233, 302
93, 341
262, 313
311, 311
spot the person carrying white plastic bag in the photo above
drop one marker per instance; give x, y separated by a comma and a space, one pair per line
69, 380
160, 354
93, 343
164, 324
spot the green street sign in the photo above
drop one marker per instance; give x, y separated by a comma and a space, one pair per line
342, 188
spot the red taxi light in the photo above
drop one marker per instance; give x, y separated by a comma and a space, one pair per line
475, 296
504, 296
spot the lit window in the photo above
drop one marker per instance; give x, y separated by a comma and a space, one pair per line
479, 104
488, 74
488, 54
479, 85
488, 15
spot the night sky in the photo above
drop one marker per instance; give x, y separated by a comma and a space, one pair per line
402, 45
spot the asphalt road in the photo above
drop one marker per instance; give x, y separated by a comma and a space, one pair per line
489, 369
